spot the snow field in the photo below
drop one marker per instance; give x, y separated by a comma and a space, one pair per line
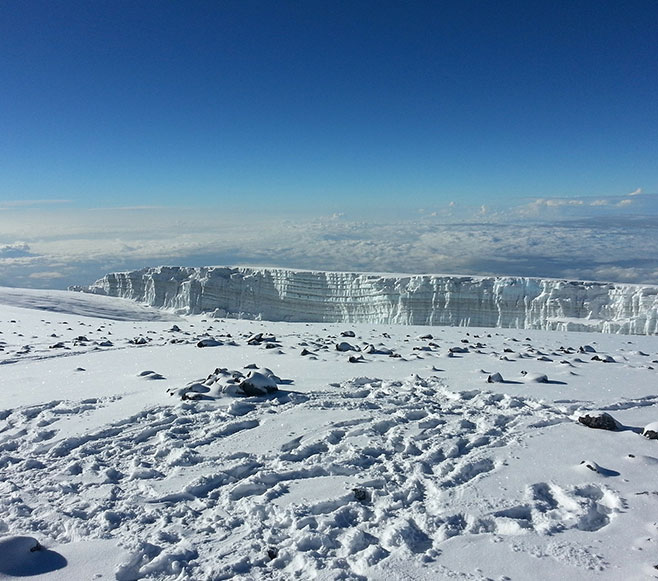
407, 464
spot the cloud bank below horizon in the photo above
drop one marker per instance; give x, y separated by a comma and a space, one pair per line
573, 238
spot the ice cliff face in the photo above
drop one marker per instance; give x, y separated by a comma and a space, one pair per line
291, 295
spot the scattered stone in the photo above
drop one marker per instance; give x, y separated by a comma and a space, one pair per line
348, 334
602, 421
593, 466
536, 378
258, 338
151, 375
209, 342
586, 349
257, 384
345, 346
650, 431
355, 359
495, 378
458, 349
361, 495
604, 358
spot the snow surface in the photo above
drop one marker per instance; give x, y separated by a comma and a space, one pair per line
127, 451
307, 296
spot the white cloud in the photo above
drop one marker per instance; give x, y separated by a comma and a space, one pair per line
635, 192
81, 247
563, 202
47, 275
14, 250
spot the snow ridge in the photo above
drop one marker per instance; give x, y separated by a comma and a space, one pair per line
317, 296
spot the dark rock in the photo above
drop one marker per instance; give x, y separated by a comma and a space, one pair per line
209, 342
603, 421
345, 346
348, 334
361, 494
603, 359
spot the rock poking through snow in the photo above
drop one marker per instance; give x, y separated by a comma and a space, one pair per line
345, 346
209, 342
256, 384
22, 556
650, 431
602, 421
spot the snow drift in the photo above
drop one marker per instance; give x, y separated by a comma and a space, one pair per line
314, 296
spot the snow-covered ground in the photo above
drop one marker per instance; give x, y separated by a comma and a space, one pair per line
127, 451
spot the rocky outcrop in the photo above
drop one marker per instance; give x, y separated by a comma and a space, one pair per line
313, 296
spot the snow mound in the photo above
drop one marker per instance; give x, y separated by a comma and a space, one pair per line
25, 557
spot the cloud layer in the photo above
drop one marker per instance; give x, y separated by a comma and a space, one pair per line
55, 249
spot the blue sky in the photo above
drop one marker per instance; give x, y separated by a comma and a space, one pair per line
357, 109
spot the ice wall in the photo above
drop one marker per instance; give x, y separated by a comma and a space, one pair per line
310, 296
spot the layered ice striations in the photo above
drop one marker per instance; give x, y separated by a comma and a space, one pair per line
313, 296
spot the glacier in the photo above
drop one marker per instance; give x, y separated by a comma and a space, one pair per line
278, 294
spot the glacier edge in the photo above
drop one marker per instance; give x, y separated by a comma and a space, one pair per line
279, 294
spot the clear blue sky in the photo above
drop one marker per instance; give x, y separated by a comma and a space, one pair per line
277, 103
